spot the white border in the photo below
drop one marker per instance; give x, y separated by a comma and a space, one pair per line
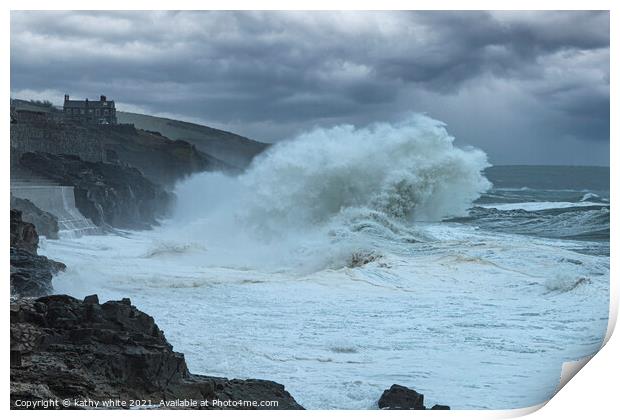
592, 394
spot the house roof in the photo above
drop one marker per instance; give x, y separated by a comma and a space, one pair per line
91, 104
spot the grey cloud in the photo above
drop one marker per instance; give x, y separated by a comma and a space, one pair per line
270, 75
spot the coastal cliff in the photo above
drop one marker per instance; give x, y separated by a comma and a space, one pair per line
162, 160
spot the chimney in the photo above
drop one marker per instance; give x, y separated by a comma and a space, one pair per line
66, 97
103, 98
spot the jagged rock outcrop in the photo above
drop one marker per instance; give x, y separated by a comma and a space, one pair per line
65, 348
108, 194
45, 223
399, 397
23, 235
31, 274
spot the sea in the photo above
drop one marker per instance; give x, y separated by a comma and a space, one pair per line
349, 259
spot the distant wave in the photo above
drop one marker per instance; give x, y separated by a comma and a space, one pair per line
542, 205
577, 221
589, 196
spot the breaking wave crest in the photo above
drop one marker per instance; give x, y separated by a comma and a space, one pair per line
407, 171
341, 181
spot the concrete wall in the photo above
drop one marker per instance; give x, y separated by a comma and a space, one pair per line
60, 201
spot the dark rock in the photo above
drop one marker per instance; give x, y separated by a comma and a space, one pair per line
45, 223
91, 300
16, 358
62, 348
399, 397
31, 274
361, 258
23, 235
108, 194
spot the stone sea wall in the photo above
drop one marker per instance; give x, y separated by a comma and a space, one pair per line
55, 138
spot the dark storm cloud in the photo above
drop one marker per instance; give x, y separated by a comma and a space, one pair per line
270, 75
464, 45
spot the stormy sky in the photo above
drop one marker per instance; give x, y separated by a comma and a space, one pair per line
526, 87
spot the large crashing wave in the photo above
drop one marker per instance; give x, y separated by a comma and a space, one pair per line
410, 170
380, 178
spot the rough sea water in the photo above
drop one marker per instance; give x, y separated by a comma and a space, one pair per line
347, 260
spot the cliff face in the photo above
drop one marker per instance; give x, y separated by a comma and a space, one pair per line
108, 194
65, 348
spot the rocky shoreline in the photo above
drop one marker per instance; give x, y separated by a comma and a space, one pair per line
68, 353
65, 349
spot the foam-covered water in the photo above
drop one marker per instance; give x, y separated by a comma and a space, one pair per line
348, 259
